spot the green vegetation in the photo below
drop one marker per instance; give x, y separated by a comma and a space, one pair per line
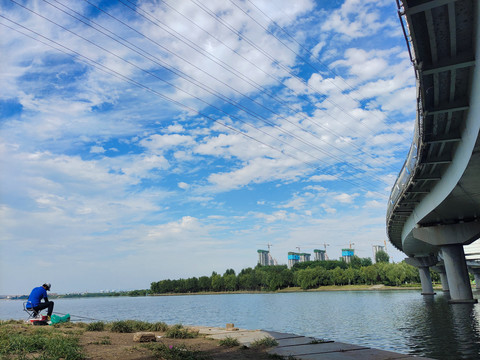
180, 352
44, 343
267, 341
229, 342
179, 332
96, 326
382, 256
306, 275
130, 326
104, 340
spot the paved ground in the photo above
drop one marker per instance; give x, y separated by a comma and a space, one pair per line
301, 347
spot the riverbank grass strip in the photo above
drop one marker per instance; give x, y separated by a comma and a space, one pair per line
179, 332
267, 341
229, 342
25, 341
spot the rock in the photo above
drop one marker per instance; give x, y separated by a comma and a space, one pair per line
144, 337
231, 327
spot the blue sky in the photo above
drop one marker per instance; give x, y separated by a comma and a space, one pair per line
148, 140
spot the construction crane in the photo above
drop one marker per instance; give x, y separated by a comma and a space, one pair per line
298, 247
268, 245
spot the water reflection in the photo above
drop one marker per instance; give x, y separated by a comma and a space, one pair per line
443, 331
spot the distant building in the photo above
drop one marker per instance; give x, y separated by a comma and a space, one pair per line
265, 259
319, 255
293, 258
347, 255
304, 257
377, 248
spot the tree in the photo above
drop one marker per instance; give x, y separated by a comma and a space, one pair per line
217, 282
204, 283
366, 261
230, 282
382, 256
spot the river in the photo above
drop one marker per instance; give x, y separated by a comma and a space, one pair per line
402, 321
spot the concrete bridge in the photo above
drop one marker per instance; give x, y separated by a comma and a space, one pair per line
434, 206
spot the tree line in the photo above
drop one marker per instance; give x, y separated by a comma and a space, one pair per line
306, 275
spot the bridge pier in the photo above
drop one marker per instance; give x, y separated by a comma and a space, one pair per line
457, 274
476, 272
440, 269
423, 264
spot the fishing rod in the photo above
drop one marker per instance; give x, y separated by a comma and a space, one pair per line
78, 316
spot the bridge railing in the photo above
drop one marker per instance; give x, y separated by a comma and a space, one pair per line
406, 175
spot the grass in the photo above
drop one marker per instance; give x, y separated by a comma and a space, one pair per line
104, 340
267, 341
179, 352
179, 332
25, 341
96, 326
130, 326
318, 341
229, 342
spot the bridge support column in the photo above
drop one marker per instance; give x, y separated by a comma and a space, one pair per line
457, 274
426, 280
440, 269
423, 264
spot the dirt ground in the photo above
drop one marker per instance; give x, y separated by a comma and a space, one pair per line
109, 346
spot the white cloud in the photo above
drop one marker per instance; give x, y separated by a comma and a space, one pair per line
356, 19
346, 198
97, 150
183, 185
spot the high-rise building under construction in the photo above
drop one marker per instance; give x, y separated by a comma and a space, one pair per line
319, 255
265, 259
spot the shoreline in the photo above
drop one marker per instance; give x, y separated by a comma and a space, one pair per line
377, 287
299, 290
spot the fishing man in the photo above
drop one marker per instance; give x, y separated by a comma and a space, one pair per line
35, 298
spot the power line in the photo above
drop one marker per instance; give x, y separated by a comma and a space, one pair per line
287, 70
180, 37
110, 71
305, 142
308, 51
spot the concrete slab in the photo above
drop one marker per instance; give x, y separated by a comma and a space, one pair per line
301, 347
364, 354
244, 337
278, 335
314, 349
295, 341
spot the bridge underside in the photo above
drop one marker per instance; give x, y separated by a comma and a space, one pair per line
435, 204
442, 36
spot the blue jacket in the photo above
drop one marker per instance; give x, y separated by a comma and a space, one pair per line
37, 295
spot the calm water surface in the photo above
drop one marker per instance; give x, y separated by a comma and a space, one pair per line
401, 321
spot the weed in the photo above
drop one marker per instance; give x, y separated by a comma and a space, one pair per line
24, 342
121, 327
229, 342
267, 341
318, 341
180, 352
96, 326
159, 326
104, 340
179, 332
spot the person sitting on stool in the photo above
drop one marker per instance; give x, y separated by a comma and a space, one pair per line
35, 298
